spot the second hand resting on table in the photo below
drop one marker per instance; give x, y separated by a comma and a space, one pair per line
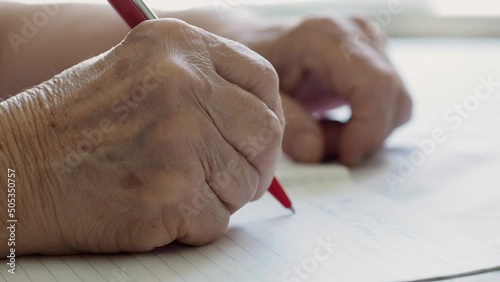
168, 133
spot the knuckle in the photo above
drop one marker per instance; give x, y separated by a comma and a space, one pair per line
142, 29
176, 29
159, 30
264, 120
274, 123
224, 170
361, 20
165, 25
379, 35
386, 81
271, 132
263, 72
248, 179
175, 24
187, 80
220, 221
270, 78
321, 21
370, 28
241, 174
263, 135
213, 222
405, 108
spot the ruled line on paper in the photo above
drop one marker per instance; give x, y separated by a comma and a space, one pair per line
82, 268
231, 266
20, 275
177, 275
102, 265
86, 260
72, 270
246, 258
2, 277
218, 265
157, 267
184, 269
364, 236
24, 271
129, 269
30, 264
144, 266
58, 268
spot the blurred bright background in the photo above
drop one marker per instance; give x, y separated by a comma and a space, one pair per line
417, 17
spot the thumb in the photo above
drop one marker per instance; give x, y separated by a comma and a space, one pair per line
303, 140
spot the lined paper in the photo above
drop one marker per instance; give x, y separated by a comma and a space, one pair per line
339, 233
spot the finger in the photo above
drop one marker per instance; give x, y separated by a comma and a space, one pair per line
405, 107
314, 97
378, 40
202, 220
239, 65
303, 139
249, 126
369, 84
372, 31
232, 178
373, 114
373, 102
222, 183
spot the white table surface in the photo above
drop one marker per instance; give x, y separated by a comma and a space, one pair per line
458, 182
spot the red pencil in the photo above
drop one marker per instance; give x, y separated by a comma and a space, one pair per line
136, 11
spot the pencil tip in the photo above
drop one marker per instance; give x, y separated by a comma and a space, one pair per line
292, 209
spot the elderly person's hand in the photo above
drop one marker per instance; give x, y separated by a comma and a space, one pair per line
161, 138
324, 63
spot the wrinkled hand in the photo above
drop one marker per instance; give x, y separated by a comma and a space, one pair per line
159, 139
324, 63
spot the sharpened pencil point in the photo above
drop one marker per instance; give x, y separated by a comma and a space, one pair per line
292, 209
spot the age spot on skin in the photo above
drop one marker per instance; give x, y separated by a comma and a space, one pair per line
111, 157
52, 124
131, 181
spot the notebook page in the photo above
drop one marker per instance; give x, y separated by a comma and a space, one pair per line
339, 233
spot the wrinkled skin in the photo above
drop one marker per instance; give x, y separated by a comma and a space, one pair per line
161, 138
